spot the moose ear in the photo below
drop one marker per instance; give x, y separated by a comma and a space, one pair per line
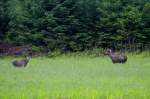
110, 50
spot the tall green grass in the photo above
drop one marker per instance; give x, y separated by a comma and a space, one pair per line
75, 76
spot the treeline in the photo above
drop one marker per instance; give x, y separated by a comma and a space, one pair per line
75, 25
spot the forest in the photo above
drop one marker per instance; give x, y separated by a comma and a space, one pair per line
74, 49
75, 25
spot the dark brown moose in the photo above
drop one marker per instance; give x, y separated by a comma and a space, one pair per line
116, 58
21, 62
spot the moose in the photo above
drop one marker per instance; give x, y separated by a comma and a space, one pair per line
21, 62
116, 58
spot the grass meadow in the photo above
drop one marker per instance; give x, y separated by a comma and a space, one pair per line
76, 77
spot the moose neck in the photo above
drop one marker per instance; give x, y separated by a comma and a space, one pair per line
111, 54
27, 58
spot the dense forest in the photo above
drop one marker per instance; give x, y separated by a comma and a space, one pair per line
75, 25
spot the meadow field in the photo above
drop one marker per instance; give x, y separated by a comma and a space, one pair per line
76, 77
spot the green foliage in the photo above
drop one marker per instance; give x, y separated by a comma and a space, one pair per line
36, 48
146, 21
54, 54
4, 19
75, 25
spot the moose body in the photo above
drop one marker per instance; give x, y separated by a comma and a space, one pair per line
20, 63
116, 58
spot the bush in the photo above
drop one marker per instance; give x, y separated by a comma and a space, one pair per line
54, 53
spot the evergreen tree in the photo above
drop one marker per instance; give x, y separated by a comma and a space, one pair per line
4, 19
